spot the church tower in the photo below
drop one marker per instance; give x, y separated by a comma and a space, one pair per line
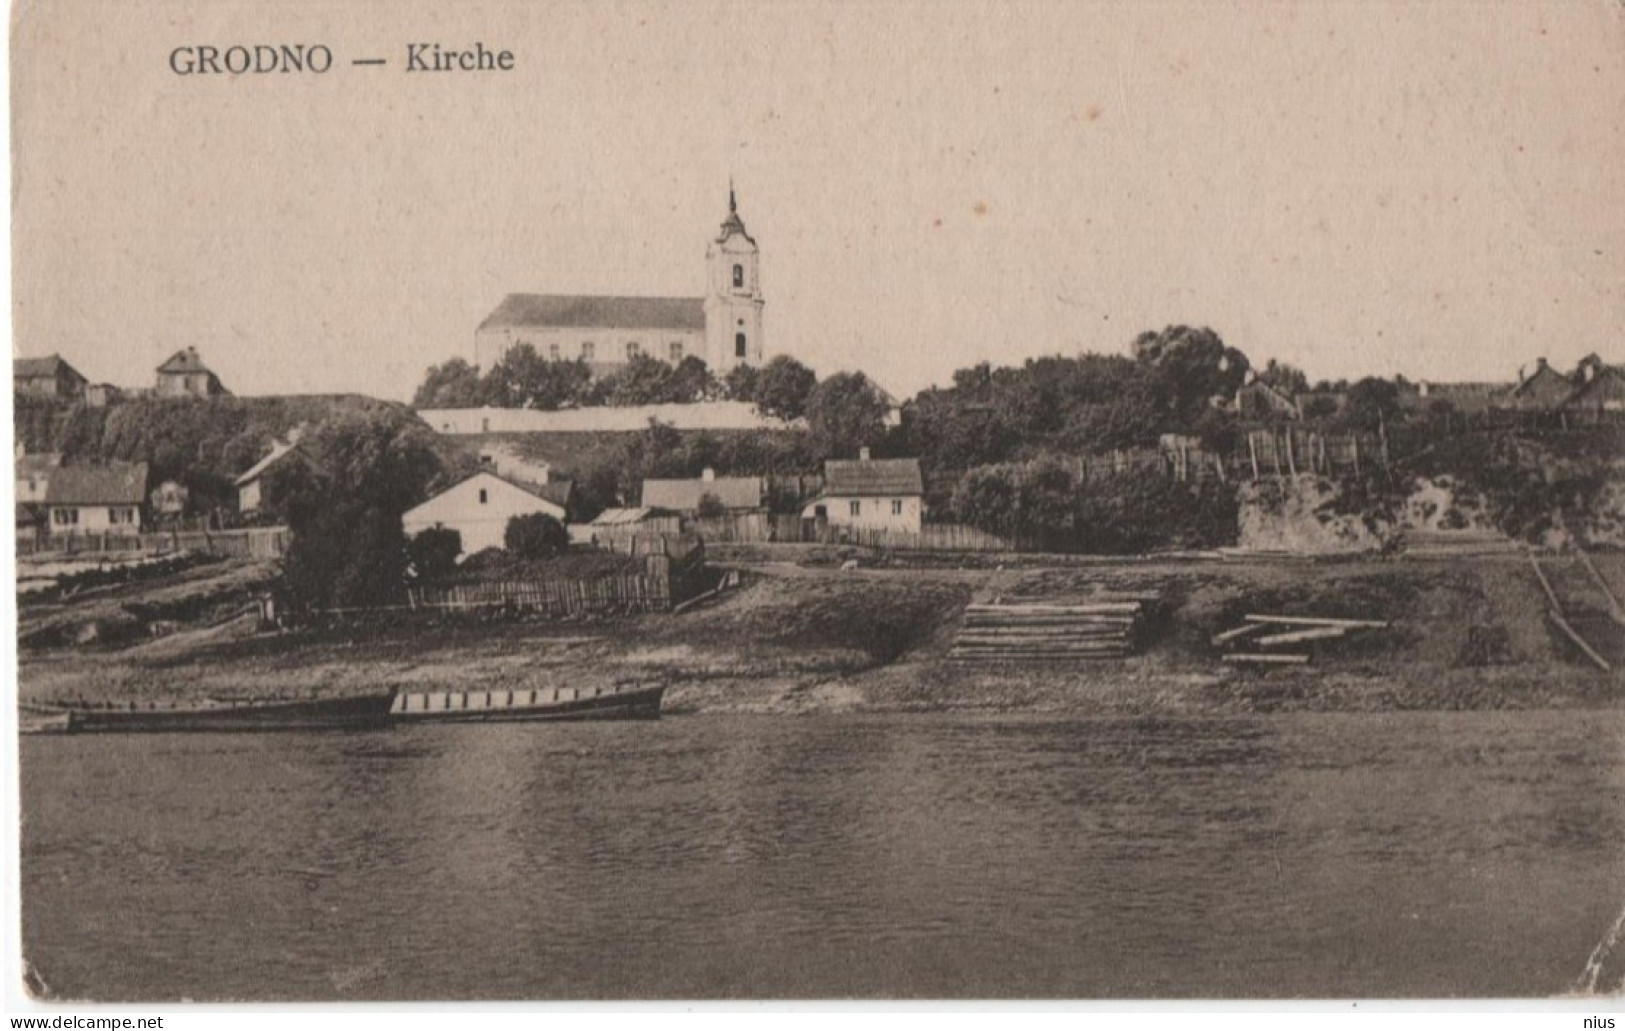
733, 296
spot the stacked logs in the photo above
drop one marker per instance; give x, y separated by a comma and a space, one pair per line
1047, 632
1261, 640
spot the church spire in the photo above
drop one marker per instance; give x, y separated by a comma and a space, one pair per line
733, 207
733, 223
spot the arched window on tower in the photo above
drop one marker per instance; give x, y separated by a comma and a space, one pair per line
739, 345
739, 277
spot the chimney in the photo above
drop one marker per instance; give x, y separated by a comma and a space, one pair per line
863, 454
1540, 363
708, 475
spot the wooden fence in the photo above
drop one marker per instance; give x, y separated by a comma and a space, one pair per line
932, 537
626, 592
266, 542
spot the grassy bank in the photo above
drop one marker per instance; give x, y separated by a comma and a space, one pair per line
808, 639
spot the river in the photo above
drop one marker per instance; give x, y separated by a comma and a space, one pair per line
1301, 855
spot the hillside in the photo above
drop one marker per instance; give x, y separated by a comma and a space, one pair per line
204, 443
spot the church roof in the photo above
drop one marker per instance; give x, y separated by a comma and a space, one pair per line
574, 311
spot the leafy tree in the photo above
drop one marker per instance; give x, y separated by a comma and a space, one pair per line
433, 552
1372, 402
344, 508
741, 382
524, 379
1186, 369
535, 535
784, 388
1288, 379
844, 413
691, 381
452, 384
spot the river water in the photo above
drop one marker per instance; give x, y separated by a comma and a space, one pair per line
1304, 855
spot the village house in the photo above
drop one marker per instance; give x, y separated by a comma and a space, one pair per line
615, 528
1601, 388
1541, 390
86, 499
508, 462
479, 508
168, 502
33, 473
185, 375
870, 493
1258, 399
688, 497
50, 376
100, 395
250, 485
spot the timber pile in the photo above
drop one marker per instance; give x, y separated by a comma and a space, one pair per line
1264, 640
1048, 632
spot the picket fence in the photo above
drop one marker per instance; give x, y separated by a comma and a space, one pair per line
627, 592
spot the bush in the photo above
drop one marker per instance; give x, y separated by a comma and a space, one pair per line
535, 536
433, 552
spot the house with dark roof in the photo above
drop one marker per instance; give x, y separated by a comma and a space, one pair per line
870, 493
734, 493
1259, 399
183, 374
1601, 388
96, 498
251, 484
50, 376
723, 327
1541, 390
479, 508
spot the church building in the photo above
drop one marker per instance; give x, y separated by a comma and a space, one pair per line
724, 327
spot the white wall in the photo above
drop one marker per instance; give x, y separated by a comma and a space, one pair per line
873, 513
92, 519
707, 415
478, 508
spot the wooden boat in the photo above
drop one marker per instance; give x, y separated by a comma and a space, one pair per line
631, 702
356, 711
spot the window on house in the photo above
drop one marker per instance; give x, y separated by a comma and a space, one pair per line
896, 508
66, 516
739, 277
676, 351
739, 345
633, 349
484, 497
586, 350
856, 508
553, 351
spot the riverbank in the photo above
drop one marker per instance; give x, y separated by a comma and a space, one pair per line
795, 639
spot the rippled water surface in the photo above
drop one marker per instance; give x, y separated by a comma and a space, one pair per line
1304, 855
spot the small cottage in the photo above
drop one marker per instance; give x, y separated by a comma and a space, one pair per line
1261, 400
1601, 389
50, 376
479, 508
96, 498
185, 375
1541, 390
251, 484
875, 494
33, 475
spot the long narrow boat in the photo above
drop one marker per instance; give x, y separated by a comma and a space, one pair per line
354, 712
631, 702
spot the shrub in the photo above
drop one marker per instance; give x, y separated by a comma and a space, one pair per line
536, 535
433, 552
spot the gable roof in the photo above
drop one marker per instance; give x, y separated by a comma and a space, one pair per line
622, 516
556, 491
883, 477
1606, 384
685, 495
184, 360
278, 451
1544, 378
1274, 395
41, 368
117, 483
574, 311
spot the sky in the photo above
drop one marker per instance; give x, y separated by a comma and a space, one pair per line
1428, 189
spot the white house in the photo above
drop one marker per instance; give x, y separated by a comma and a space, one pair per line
871, 494
479, 508
251, 484
96, 498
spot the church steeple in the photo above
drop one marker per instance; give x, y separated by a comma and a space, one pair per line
733, 304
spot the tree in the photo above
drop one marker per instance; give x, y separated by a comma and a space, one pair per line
1186, 368
784, 388
524, 379
741, 382
711, 507
535, 535
1372, 402
846, 412
641, 381
692, 381
453, 384
433, 552
344, 507
1288, 379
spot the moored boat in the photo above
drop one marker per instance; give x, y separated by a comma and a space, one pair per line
353, 712
629, 702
